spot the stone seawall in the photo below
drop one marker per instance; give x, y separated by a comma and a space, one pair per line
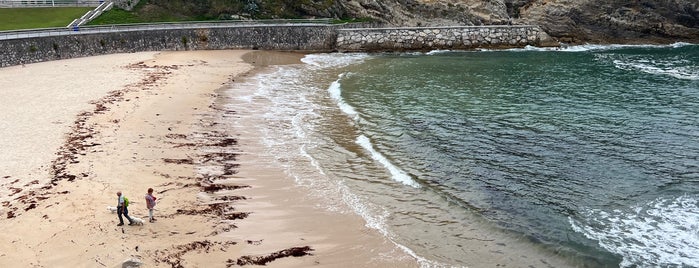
277, 37
306, 37
467, 37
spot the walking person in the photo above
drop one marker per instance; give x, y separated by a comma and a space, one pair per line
122, 208
150, 204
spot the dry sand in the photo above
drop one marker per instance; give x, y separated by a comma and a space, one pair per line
74, 132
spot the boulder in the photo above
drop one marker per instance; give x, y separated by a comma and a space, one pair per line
131, 263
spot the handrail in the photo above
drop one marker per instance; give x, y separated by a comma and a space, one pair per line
49, 3
18, 34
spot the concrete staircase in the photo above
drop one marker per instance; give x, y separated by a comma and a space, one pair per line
90, 15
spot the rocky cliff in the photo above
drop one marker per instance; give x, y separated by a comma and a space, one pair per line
570, 21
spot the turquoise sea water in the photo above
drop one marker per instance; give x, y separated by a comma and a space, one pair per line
589, 154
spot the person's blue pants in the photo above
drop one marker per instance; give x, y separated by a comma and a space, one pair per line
126, 214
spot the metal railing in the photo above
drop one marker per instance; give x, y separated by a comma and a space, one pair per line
18, 34
49, 3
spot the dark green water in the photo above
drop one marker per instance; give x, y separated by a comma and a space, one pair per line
590, 154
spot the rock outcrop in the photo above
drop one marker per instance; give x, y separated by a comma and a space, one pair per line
615, 21
571, 21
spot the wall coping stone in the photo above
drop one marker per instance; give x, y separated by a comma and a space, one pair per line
438, 27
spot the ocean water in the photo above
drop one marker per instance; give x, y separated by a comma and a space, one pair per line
589, 154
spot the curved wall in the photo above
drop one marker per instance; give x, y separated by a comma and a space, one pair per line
315, 38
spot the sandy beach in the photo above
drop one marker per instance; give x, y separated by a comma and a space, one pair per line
74, 132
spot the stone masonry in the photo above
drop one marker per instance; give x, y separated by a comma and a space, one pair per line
401, 39
311, 38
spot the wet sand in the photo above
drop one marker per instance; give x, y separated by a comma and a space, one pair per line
77, 131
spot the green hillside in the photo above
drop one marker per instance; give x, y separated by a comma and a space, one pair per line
202, 10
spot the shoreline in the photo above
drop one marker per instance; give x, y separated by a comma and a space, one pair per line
161, 128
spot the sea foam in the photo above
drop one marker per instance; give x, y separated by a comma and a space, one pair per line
659, 68
335, 91
595, 47
396, 173
660, 233
334, 60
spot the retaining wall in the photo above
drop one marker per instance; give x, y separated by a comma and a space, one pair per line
441, 38
306, 37
38, 49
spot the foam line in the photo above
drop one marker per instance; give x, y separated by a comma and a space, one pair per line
335, 91
660, 233
396, 173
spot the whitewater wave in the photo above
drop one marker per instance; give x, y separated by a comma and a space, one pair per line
396, 173
438, 51
593, 47
660, 233
659, 68
335, 91
334, 60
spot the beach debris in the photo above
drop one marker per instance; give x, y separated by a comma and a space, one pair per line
187, 161
236, 215
176, 136
263, 260
31, 206
225, 142
14, 190
222, 229
230, 169
210, 188
219, 157
178, 145
216, 209
256, 243
231, 197
173, 256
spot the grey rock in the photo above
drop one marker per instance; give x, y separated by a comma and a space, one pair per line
574, 21
132, 263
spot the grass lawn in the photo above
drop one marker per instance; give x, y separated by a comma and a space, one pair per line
31, 18
116, 16
138, 15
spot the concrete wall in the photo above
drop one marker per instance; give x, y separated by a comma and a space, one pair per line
268, 37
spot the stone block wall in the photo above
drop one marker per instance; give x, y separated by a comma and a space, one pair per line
431, 38
312, 38
279, 37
